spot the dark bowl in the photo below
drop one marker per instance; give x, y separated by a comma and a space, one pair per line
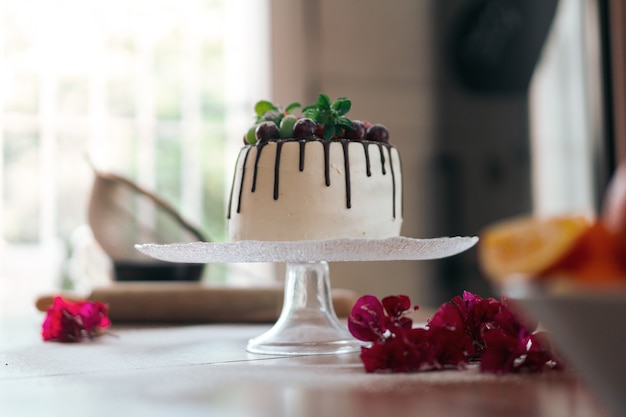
156, 271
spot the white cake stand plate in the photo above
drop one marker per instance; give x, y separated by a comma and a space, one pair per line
308, 323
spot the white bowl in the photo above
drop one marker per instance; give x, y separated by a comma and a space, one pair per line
588, 329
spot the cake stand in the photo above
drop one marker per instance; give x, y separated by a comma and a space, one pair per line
308, 323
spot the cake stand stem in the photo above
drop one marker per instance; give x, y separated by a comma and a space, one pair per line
308, 323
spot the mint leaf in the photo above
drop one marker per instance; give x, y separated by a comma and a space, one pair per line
263, 106
323, 102
344, 122
329, 131
312, 113
341, 106
291, 107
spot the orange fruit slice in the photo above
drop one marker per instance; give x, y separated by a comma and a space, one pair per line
593, 259
528, 245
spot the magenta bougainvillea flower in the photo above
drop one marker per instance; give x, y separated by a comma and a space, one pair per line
468, 329
69, 321
372, 320
368, 321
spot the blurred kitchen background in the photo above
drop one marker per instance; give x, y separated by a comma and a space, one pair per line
499, 107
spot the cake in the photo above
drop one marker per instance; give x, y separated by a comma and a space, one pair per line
315, 177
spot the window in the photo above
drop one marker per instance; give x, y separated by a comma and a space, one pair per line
156, 90
563, 114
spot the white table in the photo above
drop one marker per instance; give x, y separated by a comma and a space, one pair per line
204, 370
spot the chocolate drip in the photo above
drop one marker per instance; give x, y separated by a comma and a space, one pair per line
279, 147
301, 163
326, 145
232, 185
256, 164
393, 179
382, 157
243, 174
368, 166
346, 163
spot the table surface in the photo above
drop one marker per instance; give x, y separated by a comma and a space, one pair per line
202, 370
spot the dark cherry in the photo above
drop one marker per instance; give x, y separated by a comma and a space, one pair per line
357, 132
377, 133
266, 131
304, 127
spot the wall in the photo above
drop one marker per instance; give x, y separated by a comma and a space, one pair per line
465, 153
377, 56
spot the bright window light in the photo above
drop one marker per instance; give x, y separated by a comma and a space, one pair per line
158, 91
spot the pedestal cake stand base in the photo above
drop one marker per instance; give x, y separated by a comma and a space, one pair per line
307, 323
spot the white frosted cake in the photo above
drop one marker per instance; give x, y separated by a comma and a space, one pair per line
308, 188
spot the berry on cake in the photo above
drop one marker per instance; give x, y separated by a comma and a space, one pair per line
316, 176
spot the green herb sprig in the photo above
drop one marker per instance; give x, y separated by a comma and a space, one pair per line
330, 115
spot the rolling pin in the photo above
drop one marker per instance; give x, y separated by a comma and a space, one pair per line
182, 302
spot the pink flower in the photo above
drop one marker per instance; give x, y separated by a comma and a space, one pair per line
390, 356
396, 307
468, 328
367, 320
446, 348
68, 321
372, 320
505, 353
